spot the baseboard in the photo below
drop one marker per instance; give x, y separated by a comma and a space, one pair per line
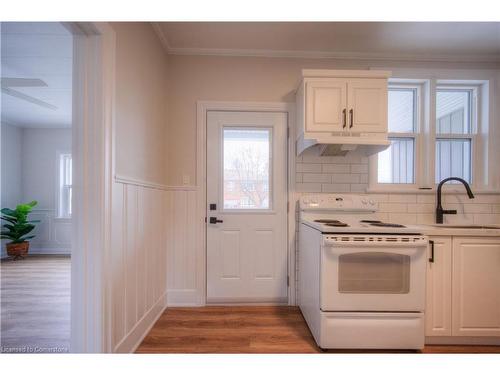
461, 340
134, 338
183, 297
41, 250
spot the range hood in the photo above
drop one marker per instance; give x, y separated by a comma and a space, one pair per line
328, 145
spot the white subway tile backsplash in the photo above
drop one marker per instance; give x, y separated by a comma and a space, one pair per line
335, 188
359, 168
344, 177
392, 207
421, 207
316, 177
308, 187
358, 188
336, 168
402, 198
426, 198
311, 168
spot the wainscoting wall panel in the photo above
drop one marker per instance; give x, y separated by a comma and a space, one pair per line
139, 261
184, 241
52, 234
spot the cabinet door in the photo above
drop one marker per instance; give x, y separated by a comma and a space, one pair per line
367, 105
476, 286
326, 109
438, 296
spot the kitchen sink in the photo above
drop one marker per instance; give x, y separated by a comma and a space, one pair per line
466, 226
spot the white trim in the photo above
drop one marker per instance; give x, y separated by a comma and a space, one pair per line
360, 73
201, 123
93, 150
133, 339
329, 55
161, 35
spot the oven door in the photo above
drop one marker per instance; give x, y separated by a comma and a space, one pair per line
373, 273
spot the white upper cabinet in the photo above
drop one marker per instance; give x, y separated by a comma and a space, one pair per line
326, 105
342, 107
367, 102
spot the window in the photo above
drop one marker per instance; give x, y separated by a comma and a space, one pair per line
454, 128
247, 153
65, 185
396, 164
437, 129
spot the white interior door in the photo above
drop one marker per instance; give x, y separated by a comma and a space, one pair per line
246, 207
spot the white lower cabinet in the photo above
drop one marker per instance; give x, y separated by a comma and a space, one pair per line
438, 297
463, 287
476, 286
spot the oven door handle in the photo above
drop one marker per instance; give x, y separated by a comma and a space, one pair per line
420, 243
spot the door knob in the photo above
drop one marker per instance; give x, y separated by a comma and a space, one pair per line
214, 220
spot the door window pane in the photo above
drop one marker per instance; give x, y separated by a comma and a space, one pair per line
246, 173
374, 273
402, 110
453, 111
395, 164
453, 159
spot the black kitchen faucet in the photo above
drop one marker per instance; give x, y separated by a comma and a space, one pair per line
439, 209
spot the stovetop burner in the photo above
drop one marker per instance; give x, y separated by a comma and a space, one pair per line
331, 223
391, 225
338, 224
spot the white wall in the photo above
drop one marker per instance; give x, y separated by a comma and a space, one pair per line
139, 242
40, 168
40, 164
260, 79
11, 152
29, 172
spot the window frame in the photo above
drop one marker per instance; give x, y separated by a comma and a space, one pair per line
271, 197
473, 129
374, 185
483, 178
60, 186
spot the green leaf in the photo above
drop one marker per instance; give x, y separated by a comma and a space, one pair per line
9, 219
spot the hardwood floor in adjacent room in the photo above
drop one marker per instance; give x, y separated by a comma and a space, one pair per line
242, 329
35, 304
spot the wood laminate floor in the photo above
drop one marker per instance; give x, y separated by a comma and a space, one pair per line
35, 304
241, 329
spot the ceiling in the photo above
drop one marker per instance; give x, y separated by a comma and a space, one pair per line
425, 41
40, 50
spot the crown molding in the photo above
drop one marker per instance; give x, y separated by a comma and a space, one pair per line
491, 59
161, 35
334, 55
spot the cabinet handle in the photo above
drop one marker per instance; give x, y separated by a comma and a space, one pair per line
351, 115
431, 259
344, 112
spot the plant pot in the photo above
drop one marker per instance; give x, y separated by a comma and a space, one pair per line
18, 250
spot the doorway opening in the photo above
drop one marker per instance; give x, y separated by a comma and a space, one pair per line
36, 132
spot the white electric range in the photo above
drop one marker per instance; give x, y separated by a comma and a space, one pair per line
361, 281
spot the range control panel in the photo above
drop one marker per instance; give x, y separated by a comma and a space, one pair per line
337, 202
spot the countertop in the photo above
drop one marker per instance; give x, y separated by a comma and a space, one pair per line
445, 230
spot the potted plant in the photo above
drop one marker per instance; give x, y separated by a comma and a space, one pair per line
17, 229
